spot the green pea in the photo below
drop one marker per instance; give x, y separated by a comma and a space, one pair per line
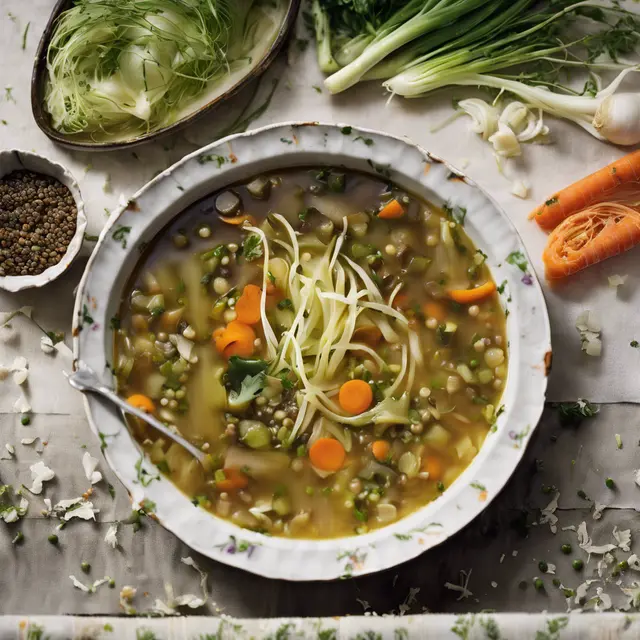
566, 549
577, 564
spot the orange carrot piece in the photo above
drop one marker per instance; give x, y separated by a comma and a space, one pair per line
401, 302
248, 305
469, 296
392, 210
355, 396
234, 480
327, 454
235, 340
380, 450
239, 220
433, 466
617, 182
141, 401
589, 237
434, 310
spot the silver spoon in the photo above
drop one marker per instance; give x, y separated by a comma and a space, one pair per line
86, 380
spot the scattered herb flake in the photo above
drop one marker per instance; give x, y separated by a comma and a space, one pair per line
368, 141
120, 235
24, 36
517, 259
285, 304
143, 476
573, 413
86, 316
346, 131
219, 160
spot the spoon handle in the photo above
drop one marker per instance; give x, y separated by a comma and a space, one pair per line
86, 380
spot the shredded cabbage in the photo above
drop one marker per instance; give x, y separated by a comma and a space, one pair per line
130, 66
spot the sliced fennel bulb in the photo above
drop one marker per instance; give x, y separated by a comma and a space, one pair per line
131, 66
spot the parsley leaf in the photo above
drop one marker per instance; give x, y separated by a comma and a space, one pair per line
252, 247
455, 213
240, 368
573, 413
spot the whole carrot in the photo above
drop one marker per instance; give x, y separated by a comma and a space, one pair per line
617, 182
589, 237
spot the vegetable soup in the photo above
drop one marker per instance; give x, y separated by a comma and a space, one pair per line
333, 343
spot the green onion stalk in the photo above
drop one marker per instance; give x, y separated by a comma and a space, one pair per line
415, 19
518, 46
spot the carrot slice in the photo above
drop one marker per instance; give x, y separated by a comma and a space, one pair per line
589, 237
355, 396
392, 210
401, 302
434, 310
327, 454
433, 466
234, 480
617, 182
235, 340
248, 305
469, 296
140, 401
380, 450
239, 220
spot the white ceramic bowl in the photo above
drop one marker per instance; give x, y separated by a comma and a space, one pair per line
412, 168
15, 160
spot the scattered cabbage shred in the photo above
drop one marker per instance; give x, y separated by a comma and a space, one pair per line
588, 325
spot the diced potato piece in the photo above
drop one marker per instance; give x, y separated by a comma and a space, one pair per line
153, 384
451, 474
437, 437
186, 471
156, 453
465, 449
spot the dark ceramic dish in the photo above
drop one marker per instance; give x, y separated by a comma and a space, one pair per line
43, 119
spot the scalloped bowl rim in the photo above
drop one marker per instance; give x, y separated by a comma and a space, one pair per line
303, 144
41, 164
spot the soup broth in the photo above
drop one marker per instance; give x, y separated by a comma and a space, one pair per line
333, 343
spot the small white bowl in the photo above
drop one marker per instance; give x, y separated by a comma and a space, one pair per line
16, 160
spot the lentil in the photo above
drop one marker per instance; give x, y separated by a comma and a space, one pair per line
38, 218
